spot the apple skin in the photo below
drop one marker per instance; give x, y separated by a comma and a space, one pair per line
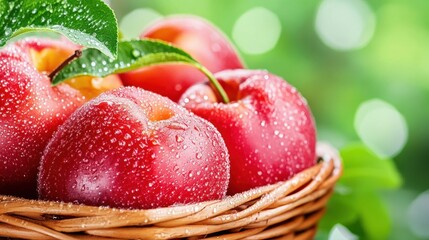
200, 39
267, 127
30, 111
131, 148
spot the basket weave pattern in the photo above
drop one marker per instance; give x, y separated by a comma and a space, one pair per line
286, 210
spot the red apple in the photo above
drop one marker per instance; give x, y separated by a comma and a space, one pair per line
267, 127
131, 148
201, 39
31, 109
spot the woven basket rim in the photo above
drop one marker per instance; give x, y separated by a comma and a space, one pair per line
261, 213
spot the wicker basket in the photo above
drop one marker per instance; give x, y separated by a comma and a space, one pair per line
286, 210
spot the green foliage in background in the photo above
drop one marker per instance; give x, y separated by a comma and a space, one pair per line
357, 198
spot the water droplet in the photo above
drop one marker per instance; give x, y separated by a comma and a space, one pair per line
136, 53
49, 8
8, 31
179, 139
155, 142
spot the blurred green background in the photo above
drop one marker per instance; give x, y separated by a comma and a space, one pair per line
363, 66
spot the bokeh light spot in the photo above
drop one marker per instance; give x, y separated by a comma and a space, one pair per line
381, 127
339, 232
133, 23
418, 215
345, 24
257, 31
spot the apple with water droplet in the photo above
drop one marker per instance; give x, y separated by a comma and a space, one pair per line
31, 109
200, 39
132, 148
267, 126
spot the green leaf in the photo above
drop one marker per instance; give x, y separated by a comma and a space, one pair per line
364, 170
341, 208
131, 55
88, 23
374, 216
322, 234
356, 202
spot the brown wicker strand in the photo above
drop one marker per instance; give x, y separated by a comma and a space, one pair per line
18, 232
221, 207
31, 226
278, 230
238, 235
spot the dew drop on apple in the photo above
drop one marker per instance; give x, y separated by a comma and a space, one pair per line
179, 139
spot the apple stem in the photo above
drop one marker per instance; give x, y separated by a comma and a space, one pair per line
75, 55
215, 82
